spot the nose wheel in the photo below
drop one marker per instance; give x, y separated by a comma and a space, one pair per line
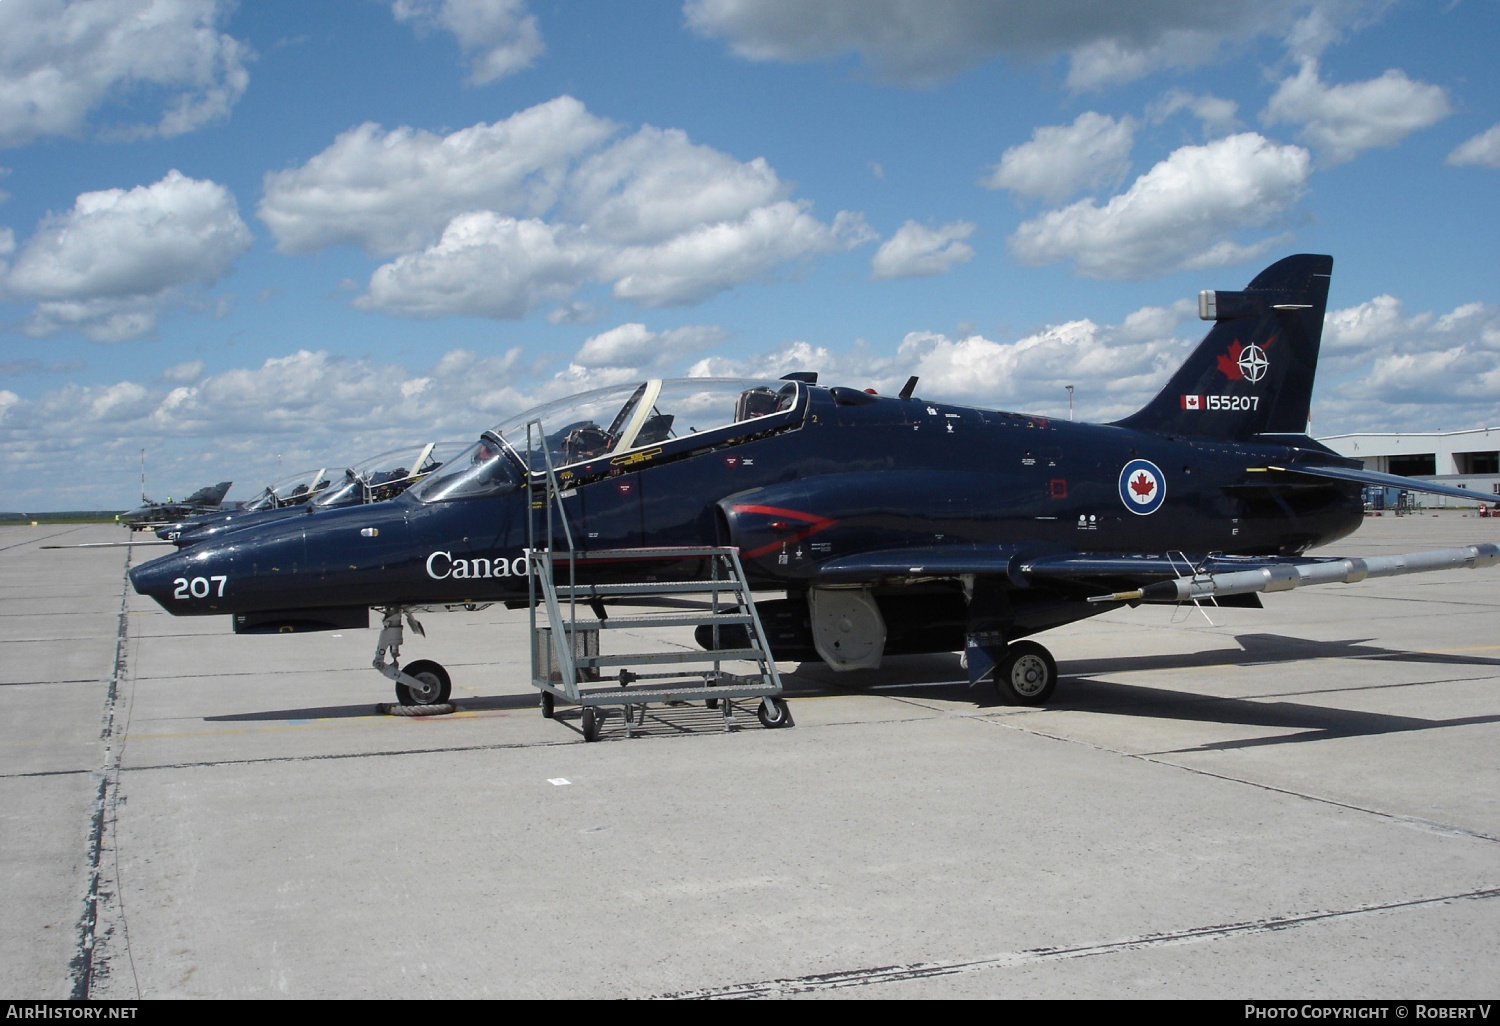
1027, 675
432, 687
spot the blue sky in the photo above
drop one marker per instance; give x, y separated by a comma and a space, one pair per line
232, 233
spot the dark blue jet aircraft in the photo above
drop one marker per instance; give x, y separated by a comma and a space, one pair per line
893, 524
289, 491
376, 479
150, 514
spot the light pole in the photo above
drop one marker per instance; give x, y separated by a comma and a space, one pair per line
1070, 401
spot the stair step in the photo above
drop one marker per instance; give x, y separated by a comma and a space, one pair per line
588, 591
637, 554
649, 696
666, 620
682, 656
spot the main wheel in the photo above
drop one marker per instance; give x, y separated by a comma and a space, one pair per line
773, 713
548, 704
1027, 675
435, 689
590, 724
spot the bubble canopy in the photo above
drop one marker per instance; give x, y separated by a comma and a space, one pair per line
607, 422
289, 490
387, 475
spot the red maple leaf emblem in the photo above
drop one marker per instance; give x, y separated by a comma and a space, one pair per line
1229, 363
1142, 485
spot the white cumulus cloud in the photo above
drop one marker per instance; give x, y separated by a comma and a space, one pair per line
485, 265
61, 60
500, 37
393, 191
916, 251
1339, 121
1383, 369
710, 258
1182, 214
656, 184
919, 42
1216, 113
633, 345
114, 263
493, 220
1481, 151
1061, 160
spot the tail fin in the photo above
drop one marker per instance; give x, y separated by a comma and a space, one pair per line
1253, 372
209, 495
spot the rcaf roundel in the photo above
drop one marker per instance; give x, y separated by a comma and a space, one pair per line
1142, 487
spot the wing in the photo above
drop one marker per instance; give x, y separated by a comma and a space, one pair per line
1215, 579
1370, 477
1140, 578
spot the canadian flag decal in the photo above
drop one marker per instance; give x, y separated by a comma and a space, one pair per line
1192, 402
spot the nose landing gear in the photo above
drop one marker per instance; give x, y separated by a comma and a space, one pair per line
423, 682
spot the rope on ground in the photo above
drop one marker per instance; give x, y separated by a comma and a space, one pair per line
393, 709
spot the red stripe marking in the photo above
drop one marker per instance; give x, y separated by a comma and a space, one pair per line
814, 525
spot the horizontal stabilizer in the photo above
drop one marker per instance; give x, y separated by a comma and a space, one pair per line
1370, 477
1286, 576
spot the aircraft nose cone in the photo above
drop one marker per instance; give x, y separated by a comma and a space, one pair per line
154, 579
186, 583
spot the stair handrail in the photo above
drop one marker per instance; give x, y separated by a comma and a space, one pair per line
562, 637
758, 636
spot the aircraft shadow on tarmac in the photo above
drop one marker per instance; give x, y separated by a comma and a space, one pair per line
1263, 649
940, 677
488, 703
1312, 722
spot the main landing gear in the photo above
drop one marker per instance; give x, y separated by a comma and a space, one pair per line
1026, 674
423, 682
1023, 672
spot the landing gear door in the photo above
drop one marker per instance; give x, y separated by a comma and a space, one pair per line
848, 630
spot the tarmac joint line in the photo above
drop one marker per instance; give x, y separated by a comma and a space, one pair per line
925, 970
86, 968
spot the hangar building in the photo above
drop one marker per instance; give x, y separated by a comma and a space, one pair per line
1466, 459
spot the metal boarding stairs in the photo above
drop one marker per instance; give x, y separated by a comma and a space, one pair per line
566, 659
